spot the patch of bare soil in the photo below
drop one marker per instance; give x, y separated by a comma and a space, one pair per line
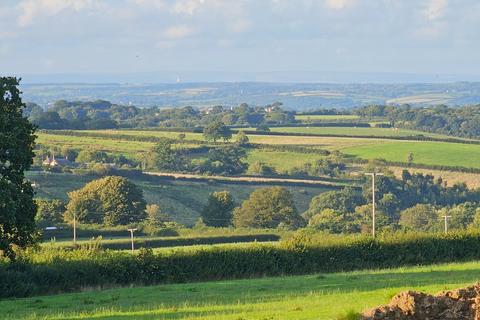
460, 304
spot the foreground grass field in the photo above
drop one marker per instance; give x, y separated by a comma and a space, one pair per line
326, 296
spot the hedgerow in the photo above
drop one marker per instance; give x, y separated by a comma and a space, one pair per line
51, 270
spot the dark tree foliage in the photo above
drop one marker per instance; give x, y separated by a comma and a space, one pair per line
463, 121
102, 114
217, 130
17, 208
419, 188
165, 158
345, 200
110, 201
268, 208
218, 211
227, 160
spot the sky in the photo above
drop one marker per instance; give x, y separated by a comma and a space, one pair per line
252, 36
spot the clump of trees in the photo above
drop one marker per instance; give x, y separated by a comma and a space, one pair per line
49, 211
217, 130
322, 167
456, 121
101, 114
416, 202
110, 201
268, 208
218, 210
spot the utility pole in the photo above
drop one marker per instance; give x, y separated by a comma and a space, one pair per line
74, 229
131, 236
373, 175
445, 217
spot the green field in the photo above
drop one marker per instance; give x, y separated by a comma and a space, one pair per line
425, 152
326, 296
429, 153
182, 200
356, 131
313, 117
125, 147
282, 161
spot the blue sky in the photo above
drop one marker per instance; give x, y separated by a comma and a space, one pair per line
123, 36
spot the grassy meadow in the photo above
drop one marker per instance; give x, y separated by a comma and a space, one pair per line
425, 152
356, 131
320, 296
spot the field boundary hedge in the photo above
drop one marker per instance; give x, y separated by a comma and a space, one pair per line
329, 135
58, 271
80, 133
125, 244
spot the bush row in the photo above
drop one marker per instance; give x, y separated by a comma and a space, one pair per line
419, 137
125, 244
317, 123
126, 137
62, 271
415, 165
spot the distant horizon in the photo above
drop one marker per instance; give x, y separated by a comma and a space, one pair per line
272, 77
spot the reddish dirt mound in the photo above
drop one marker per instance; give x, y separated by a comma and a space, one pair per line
460, 304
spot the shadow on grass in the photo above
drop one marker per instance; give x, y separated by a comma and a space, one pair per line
224, 296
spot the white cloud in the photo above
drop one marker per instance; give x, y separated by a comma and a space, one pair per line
178, 32
187, 6
157, 4
435, 9
433, 25
339, 4
32, 9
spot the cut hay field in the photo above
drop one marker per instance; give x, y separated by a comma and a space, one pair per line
325, 296
427, 98
182, 200
472, 180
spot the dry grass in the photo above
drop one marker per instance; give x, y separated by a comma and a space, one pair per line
471, 179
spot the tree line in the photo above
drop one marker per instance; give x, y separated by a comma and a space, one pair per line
461, 121
102, 114
414, 202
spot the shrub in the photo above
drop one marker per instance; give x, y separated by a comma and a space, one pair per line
51, 270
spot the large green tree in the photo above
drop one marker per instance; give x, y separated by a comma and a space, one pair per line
164, 157
226, 160
111, 200
49, 211
268, 208
217, 130
345, 200
17, 208
421, 217
218, 211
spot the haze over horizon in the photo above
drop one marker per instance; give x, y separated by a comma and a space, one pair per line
380, 41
